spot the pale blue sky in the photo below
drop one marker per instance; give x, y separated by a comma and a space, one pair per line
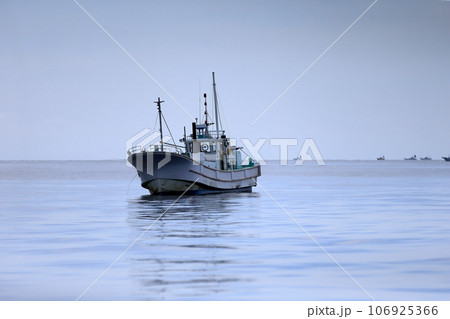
67, 91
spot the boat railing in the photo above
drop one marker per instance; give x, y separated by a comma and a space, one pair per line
214, 133
135, 149
173, 148
167, 147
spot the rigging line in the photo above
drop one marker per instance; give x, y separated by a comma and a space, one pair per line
154, 126
134, 242
167, 126
210, 120
312, 64
132, 58
221, 113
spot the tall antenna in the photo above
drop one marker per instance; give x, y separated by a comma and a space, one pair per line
215, 106
158, 103
206, 114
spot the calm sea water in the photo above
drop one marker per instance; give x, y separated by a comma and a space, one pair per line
63, 223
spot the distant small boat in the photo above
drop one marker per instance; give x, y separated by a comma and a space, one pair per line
412, 158
299, 158
380, 158
426, 158
447, 159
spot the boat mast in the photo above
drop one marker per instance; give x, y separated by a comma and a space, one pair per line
158, 103
215, 106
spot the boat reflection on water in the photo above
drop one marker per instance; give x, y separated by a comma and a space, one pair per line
192, 251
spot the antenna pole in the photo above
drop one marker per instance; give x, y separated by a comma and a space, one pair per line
158, 103
206, 112
215, 106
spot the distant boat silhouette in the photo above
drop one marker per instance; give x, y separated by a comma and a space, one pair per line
426, 158
381, 158
447, 159
412, 158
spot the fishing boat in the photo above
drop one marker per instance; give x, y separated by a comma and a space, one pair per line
447, 159
412, 158
206, 163
426, 158
381, 158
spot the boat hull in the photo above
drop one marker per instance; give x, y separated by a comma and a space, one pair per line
171, 173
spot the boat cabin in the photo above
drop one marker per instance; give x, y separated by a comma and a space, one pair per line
217, 153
